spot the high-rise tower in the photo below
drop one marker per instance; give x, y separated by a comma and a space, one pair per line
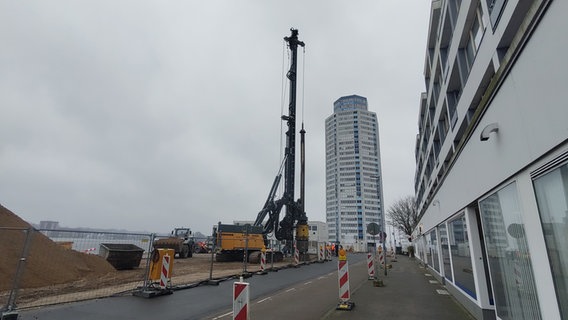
354, 195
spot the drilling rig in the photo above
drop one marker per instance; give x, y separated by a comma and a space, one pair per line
295, 218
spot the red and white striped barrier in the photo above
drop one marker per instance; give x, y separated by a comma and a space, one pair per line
165, 275
321, 256
90, 250
328, 253
262, 270
381, 258
262, 261
240, 301
343, 274
370, 266
296, 255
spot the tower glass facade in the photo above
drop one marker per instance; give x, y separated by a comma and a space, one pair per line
354, 196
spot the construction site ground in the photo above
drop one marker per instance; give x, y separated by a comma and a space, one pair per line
53, 274
185, 271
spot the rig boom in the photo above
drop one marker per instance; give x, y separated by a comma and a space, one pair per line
295, 216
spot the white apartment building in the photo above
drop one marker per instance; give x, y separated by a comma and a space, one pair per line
492, 156
354, 193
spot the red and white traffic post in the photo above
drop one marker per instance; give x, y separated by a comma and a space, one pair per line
381, 257
240, 301
262, 270
296, 255
343, 276
370, 266
165, 273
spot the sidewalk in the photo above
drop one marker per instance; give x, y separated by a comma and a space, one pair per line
407, 294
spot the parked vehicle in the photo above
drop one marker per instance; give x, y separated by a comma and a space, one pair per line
181, 240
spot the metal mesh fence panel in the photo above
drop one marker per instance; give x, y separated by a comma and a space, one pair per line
61, 266
11, 263
65, 266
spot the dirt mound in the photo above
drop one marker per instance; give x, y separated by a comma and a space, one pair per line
47, 263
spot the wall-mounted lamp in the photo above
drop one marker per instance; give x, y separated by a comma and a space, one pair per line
493, 127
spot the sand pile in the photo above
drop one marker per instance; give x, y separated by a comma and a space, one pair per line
47, 263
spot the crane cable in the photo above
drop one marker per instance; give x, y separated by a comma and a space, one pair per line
284, 85
303, 81
283, 95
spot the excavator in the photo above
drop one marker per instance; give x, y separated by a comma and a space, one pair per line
235, 242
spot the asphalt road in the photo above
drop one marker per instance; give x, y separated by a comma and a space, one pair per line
313, 298
308, 291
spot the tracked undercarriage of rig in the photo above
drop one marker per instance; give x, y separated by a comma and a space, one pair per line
295, 218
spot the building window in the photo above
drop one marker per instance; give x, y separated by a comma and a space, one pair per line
461, 257
495, 9
445, 244
552, 198
473, 37
509, 256
433, 248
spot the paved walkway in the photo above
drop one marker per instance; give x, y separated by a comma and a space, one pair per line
408, 293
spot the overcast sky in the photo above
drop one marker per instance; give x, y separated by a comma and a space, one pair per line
147, 115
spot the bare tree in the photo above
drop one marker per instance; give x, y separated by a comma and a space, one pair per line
403, 214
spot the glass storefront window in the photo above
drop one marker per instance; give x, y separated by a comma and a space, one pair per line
461, 257
552, 198
434, 250
422, 245
444, 243
428, 249
509, 256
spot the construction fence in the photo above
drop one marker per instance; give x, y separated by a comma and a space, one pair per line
43, 267
46, 267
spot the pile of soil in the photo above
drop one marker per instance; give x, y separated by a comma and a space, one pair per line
48, 263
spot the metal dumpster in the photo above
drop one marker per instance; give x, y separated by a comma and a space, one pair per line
121, 255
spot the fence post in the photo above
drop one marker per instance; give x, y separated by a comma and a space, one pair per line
245, 253
11, 304
213, 248
148, 257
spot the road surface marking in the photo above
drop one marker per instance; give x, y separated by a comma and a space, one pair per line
223, 315
433, 281
260, 301
291, 289
442, 291
307, 283
427, 274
